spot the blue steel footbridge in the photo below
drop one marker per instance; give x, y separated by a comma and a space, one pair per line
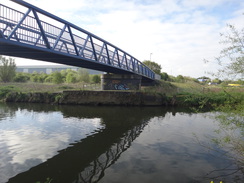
30, 32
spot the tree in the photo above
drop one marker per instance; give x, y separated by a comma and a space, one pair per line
7, 69
153, 66
57, 77
180, 79
164, 76
231, 58
84, 75
70, 78
216, 80
96, 79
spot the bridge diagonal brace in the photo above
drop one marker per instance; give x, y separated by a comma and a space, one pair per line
73, 41
82, 50
38, 39
41, 29
93, 48
114, 53
138, 66
1, 34
14, 34
61, 46
117, 53
126, 61
18, 25
60, 35
122, 61
66, 48
106, 47
101, 52
4, 29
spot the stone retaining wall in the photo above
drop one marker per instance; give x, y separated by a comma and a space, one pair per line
131, 98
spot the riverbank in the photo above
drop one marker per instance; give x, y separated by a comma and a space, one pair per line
166, 94
123, 98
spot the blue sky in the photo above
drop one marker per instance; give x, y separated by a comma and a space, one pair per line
180, 34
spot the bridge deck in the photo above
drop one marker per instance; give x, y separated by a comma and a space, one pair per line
44, 55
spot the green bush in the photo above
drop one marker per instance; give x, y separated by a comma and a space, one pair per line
21, 77
96, 79
5, 90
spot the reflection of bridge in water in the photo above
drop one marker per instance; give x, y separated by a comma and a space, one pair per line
87, 160
96, 169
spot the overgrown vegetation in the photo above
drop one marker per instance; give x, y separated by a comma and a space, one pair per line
7, 69
64, 76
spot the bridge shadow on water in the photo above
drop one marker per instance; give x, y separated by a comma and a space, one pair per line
87, 159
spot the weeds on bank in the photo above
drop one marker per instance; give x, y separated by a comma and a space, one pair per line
4, 90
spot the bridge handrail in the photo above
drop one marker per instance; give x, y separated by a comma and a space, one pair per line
72, 46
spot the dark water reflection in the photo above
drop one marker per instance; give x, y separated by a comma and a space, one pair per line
76, 144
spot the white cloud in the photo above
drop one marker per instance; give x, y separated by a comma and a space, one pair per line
179, 34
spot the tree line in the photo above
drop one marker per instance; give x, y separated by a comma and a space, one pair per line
8, 74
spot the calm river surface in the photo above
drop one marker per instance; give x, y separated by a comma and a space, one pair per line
77, 144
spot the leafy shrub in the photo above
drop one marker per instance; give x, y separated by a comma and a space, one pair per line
5, 90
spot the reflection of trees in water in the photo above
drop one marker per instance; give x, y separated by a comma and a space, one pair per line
230, 142
96, 170
6, 111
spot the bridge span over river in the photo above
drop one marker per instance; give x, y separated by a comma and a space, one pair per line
27, 31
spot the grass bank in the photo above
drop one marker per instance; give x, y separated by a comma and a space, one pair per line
197, 95
190, 93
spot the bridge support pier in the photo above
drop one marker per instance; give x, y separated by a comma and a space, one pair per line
121, 82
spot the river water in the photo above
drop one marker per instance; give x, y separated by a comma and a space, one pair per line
77, 144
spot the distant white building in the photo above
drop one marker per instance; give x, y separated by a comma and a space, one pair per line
50, 68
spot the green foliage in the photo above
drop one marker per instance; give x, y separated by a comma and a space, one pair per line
162, 88
57, 78
21, 77
180, 79
231, 129
210, 100
153, 66
231, 58
216, 80
164, 76
96, 79
5, 90
7, 69
49, 79
58, 97
65, 87
70, 78
83, 75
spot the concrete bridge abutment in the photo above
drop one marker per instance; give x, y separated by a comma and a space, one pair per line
121, 82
